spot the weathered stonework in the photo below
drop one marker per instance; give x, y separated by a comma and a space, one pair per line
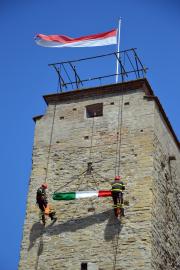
148, 236
166, 198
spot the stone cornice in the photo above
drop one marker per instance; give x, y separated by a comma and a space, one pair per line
96, 91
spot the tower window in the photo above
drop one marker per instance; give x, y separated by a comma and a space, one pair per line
94, 110
84, 266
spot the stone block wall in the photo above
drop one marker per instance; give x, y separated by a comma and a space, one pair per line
166, 199
86, 230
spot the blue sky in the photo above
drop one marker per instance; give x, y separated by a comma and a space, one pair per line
153, 27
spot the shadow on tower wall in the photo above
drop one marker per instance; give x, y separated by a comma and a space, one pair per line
113, 227
37, 231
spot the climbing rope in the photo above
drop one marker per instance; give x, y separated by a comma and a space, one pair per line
95, 182
81, 175
45, 181
39, 249
50, 143
92, 135
99, 175
76, 177
119, 136
115, 244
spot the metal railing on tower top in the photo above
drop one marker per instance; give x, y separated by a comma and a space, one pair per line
97, 70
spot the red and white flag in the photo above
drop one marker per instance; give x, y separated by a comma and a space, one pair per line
58, 41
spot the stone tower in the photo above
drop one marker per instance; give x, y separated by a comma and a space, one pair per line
119, 128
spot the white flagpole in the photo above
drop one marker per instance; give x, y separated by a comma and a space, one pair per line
118, 49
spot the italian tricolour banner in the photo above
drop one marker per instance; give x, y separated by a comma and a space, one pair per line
66, 196
58, 41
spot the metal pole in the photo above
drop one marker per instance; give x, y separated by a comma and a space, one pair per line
118, 49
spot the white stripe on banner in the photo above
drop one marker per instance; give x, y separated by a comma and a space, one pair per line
83, 43
86, 194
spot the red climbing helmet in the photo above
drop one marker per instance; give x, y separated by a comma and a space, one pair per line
44, 186
117, 177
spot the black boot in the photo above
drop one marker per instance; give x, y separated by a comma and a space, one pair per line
43, 220
52, 216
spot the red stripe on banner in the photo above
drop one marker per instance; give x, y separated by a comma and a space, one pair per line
66, 39
104, 193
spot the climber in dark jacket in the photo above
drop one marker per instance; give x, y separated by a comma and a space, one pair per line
41, 197
117, 188
42, 201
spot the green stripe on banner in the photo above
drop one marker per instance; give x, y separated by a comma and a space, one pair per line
64, 196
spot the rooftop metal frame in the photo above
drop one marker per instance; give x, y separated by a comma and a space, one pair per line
68, 76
